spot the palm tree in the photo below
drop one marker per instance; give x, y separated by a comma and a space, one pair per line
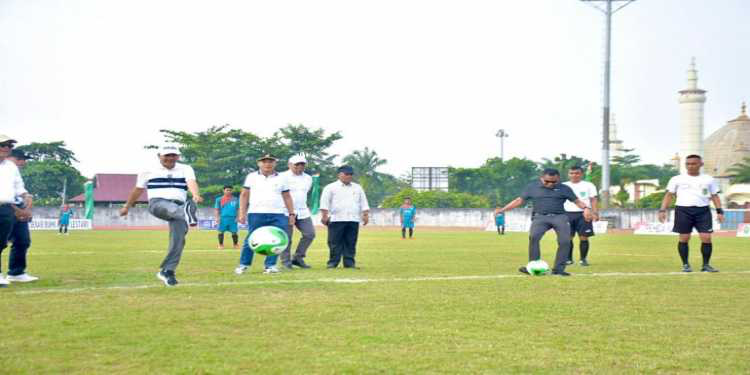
740, 172
365, 162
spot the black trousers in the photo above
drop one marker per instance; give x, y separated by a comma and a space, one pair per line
7, 219
342, 242
21, 238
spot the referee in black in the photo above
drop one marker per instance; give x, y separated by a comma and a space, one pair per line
548, 196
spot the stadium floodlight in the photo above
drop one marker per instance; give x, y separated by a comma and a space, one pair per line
608, 12
501, 134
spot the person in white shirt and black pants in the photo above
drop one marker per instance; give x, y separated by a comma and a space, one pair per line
300, 184
11, 187
586, 193
343, 206
694, 191
167, 185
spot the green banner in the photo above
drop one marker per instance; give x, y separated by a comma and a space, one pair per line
315, 195
89, 208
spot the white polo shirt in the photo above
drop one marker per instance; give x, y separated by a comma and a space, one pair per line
584, 191
265, 193
693, 191
344, 202
299, 186
161, 182
11, 183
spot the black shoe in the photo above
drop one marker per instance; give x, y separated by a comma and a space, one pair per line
352, 267
584, 263
708, 268
331, 266
686, 268
523, 270
167, 277
190, 213
300, 263
569, 262
287, 266
560, 273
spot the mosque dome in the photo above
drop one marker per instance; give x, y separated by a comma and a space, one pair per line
728, 145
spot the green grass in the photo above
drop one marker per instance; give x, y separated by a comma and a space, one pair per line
99, 309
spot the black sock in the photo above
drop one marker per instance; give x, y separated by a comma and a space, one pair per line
411, 232
503, 232
584, 249
235, 238
682, 248
60, 229
221, 239
570, 253
706, 250
403, 232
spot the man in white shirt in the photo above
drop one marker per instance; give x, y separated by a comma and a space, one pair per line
20, 236
11, 187
343, 205
694, 191
300, 184
264, 200
586, 193
167, 185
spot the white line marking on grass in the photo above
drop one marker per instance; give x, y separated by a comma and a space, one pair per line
354, 281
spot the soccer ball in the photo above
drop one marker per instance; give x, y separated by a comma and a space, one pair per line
268, 240
537, 267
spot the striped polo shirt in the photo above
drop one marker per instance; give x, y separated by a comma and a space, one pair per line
161, 182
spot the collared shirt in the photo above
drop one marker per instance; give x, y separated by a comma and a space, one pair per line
11, 183
229, 208
299, 186
548, 200
693, 191
265, 193
344, 202
164, 183
584, 191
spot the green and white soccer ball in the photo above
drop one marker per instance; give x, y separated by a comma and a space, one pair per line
537, 267
268, 240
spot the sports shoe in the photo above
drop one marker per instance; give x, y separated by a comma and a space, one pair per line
190, 213
300, 263
569, 262
584, 263
560, 273
523, 270
287, 266
22, 278
271, 269
220, 247
240, 269
236, 247
167, 277
3, 281
686, 268
708, 268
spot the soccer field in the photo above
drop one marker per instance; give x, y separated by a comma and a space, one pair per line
446, 302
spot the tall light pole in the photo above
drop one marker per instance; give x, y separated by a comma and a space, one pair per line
501, 134
608, 12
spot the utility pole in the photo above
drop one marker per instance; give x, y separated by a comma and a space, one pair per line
608, 12
501, 134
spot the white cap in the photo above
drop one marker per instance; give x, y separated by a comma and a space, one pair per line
168, 149
299, 158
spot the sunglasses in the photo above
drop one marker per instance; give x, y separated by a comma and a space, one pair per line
548, 182
7, 144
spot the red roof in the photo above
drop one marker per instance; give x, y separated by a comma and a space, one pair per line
113, 188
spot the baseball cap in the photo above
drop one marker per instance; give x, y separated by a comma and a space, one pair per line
268, 156
19, 154
296, 159
346, 169
4, 138
168, 149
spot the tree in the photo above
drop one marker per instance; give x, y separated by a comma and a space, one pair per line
51, 173
622, 197
376, 185
365, 162
740, 172
563, 163
436, 199
498, 180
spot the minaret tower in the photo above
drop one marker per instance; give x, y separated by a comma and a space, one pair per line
692, 100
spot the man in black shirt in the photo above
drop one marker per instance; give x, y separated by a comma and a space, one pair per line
548, 196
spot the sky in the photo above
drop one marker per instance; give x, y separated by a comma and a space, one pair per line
422, 82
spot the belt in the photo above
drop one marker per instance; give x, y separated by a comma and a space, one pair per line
171, 200
536, 214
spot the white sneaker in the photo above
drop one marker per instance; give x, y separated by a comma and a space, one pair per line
22, 278
240, 269
271, 269
3, 281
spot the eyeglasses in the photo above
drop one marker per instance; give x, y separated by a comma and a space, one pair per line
7, 144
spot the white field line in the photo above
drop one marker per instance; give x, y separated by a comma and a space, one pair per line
353, 281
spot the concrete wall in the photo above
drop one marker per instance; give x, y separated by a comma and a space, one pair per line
437, 217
